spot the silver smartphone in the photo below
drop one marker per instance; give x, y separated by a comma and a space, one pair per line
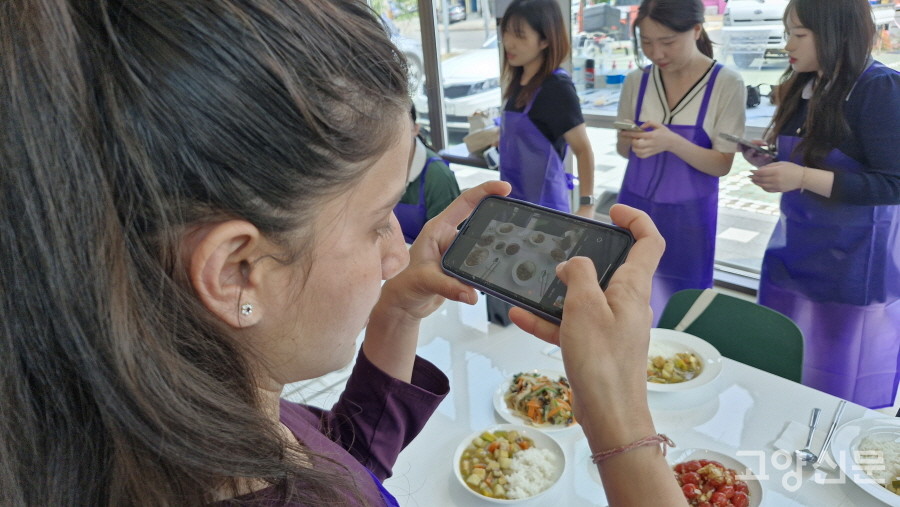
510, 248
627, 125
763, 150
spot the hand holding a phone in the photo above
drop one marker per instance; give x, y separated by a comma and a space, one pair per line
422, 286
392, 332
756, 157
656, 139
604, 338
595, 322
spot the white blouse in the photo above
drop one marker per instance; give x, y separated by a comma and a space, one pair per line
726, 111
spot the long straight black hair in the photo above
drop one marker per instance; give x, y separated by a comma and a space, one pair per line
124, 123
844, 34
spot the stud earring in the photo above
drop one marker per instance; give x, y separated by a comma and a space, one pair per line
246, 309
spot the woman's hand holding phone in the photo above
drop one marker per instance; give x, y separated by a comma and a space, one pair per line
656, 139
422, 286
604, 336
755, 157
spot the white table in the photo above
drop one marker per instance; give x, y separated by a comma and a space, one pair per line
744, 409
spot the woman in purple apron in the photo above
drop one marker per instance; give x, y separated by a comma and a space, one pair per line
675, 97
431, 187
530, 164
833, 262
542, 116
413, 215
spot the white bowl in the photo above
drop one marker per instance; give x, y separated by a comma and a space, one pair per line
541, 441
667, 342
515, 272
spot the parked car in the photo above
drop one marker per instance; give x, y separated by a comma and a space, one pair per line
411, 49
753, 29
471, 83
457, 13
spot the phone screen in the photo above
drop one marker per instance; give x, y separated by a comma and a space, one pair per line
765, 150
510, 248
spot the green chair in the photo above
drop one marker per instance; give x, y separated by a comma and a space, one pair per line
741, 330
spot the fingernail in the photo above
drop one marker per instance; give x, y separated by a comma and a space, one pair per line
464, 298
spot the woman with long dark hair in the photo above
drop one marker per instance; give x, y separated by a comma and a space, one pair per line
542, 114
833, 262
683, 101
197, 210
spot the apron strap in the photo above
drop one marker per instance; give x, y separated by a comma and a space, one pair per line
709, 88
422, 180
640, 99
556, 72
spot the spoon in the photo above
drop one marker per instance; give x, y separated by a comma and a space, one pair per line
806, 455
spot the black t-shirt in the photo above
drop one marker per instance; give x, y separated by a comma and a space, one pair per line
556, 109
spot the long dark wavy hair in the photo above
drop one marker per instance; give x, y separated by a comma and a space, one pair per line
677, 15
545, 18
844, 35
124, 122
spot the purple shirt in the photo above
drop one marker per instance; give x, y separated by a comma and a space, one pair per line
375, 418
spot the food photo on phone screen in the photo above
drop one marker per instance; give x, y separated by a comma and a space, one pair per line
512, 249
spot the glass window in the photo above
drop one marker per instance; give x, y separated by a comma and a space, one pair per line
748, 37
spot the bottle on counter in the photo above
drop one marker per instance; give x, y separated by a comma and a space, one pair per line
614, 78
589, 74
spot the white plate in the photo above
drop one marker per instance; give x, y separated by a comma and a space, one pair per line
744, 472
513, 417
515, 272
668, 342
541, 441
844, 448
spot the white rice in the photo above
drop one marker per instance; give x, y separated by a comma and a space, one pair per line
532, 472
880, 458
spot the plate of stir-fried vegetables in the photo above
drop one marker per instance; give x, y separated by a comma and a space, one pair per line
542, 399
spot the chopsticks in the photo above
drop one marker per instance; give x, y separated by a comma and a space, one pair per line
834, 425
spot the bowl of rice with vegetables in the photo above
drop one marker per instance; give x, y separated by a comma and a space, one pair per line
508, 463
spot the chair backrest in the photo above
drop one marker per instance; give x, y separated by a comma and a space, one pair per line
742, 330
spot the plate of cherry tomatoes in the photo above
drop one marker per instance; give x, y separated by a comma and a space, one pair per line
710, 479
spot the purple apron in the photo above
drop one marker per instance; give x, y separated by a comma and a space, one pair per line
412, 217
682, 202
389, 500
834, 269
530, 163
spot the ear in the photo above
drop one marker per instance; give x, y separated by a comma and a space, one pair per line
220, 267
698, 28
544, 44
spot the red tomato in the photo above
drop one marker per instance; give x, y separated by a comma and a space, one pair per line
704, 504
727, 490
690, 491
690, 478
741, 487
718, 499
704, 462
692, 466
740, 499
